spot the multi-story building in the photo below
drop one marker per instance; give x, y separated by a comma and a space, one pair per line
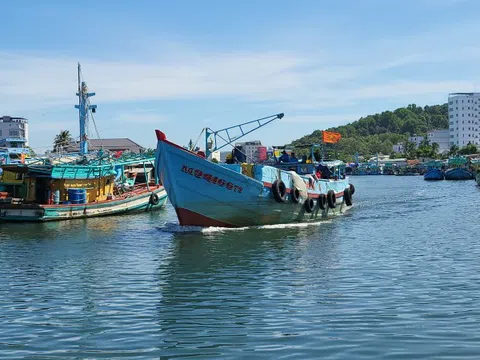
416, 139
250, 149
441, 137
13, 132
463, 116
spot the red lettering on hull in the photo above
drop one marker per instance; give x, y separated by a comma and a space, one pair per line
199, 174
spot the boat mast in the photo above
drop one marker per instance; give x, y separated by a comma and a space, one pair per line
83, 109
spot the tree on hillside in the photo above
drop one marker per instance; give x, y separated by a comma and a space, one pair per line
62, 140
378, 132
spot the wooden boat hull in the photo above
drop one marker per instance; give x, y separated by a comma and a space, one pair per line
458, 174
208, 194
434, 174
139, 201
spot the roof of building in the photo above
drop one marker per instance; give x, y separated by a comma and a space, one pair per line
113, 144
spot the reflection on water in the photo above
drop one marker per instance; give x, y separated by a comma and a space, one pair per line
395, 277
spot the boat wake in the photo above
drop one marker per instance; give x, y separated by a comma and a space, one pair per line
176, 228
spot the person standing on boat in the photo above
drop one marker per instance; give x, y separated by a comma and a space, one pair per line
293, 158
284, 158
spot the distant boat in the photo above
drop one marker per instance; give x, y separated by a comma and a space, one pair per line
434, 174
458, 174
434, 171
457, 169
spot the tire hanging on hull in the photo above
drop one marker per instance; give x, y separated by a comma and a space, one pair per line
331, 199
309, 205
279, 191
322, 201
347, 196
295, 195
154, 199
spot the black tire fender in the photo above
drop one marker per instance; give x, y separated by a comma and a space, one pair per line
309, 205
295, 195
331, 199
279, 191
347, 196
322, 201
352, 189
154, 199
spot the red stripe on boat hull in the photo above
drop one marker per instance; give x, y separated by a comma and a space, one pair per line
191, 218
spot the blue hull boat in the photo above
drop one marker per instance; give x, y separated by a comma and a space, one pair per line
204, 193
434, 174
458, 174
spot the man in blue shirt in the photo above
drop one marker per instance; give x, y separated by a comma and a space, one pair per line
293, 158
284, 158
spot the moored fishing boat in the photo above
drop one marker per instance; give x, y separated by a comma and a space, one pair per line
434, 171
44, 192
434, 174
205, 193
458, 169
81, 185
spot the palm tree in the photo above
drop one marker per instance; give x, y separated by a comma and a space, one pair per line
435, 148
453, 150
63, 139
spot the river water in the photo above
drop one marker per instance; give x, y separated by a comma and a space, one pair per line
397, 277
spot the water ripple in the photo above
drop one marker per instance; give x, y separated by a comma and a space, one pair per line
396, 277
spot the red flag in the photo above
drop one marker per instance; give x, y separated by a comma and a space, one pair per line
329, 137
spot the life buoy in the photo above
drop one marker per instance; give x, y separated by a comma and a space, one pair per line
154, 199
279, 191
309, 205
331, 199
322, 201
347, 196
352, 189
295, 195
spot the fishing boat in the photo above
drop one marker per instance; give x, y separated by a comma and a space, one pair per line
434, 171
205, 193
457, 169
80, 186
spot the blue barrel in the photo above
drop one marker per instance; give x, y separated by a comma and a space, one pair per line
77, 196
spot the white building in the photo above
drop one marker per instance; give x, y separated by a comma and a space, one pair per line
416, 139
463, 116
249, 148
399, 148
13, 132
441, 137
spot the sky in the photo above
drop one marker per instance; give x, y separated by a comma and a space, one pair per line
180, 66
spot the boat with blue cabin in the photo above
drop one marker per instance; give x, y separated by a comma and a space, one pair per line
82, 185
457, 169
205, 193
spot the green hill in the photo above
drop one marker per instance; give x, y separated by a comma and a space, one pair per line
379, 132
